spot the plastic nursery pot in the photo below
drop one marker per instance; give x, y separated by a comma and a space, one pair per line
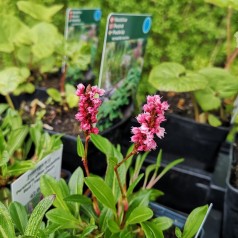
198, 143
230, 212
184, 188
178, 218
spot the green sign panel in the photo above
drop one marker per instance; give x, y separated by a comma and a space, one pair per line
123, 51
82, 28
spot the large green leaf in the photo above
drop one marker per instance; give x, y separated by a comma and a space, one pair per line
6, 224
11, 78
221, 82
45, 38
151, 230
225, 3
101, 191
37, 215
170, 76
194, 221
13, 31
38, 11
207, 99
19, 216
63, 218
139, 214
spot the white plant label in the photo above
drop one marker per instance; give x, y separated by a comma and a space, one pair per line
27, 187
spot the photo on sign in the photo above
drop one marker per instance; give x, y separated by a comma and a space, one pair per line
122, 58
82, 38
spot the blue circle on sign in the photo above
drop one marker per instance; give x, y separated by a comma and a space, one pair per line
146, 25
97, 15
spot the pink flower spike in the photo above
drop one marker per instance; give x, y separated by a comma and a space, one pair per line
149, 120
88, 107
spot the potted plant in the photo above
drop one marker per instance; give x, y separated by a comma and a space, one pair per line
111, 206
211, 98
23, 147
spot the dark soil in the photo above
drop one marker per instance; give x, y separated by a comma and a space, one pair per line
56, 118
170, 233
179, 103
234, 169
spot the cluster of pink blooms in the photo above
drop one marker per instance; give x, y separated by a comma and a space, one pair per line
88, 107
150, 121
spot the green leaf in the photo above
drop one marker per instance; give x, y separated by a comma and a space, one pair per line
133, 185
38, 11
80, 148
207, 99
37, 215
71, 98
105, 216
139, 214
19, 216
6, 223
16, 139
194, 221
54, 94
113, 226
170, 76
103, 144
101, 191
213, 120
5, 158
163, 223
225, 3
79, 199
151, 230
48, 186
76, 181
3, 107
24, 88
88, 230
62, 218
220, 81
11, 78
45, 39
178, 232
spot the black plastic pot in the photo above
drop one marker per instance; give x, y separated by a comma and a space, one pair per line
196, 181
230, 213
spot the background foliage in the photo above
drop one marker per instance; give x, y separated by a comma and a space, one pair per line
190, 32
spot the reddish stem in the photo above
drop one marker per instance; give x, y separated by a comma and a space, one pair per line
62, 80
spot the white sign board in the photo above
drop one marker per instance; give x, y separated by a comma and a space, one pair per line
27, 186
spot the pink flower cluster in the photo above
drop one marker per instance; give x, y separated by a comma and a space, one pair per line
89, 103
150, 121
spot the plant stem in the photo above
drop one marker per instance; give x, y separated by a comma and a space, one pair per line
117, 174
231, 58
85, 159
228, 31
62, 80
195, 107
85, 164
9, 101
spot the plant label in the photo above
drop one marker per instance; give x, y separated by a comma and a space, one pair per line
81, 30
123, 51
26, 189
